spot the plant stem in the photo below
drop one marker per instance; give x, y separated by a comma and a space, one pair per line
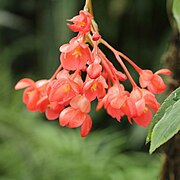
57, 71
88, 6
125, 70
106, 66
116, 53
137, 68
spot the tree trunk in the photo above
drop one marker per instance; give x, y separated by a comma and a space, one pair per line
171, 167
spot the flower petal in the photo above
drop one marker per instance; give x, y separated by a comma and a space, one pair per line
42, 104
78, 119
66, 115
33, 98
140, 105
156, 85
144, 119
145, 77
163, 71
94, 70
24, 83
82, 103
51, 115
118, 102
86, 126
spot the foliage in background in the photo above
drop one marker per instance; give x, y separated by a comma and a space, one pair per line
176, 12
33, 149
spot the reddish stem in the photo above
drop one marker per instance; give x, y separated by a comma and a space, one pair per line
55, 74
106, 66
125, 70
116, 53
137, 68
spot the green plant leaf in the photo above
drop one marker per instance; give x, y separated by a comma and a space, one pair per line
168, 102
166, 121
176, 12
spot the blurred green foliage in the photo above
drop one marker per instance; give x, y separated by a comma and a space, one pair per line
30, 34
34, 150
176, 13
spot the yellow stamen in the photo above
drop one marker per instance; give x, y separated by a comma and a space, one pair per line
67, 88
145, 109
81, 23
30, 92
77, 52
94, 87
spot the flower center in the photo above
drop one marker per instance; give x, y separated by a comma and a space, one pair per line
67, 88
94, 87
145, 110
77, 52
81, 24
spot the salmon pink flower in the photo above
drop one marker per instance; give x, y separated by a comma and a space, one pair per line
63, 89
33, 93
51, 109
76, 115
94, 70
153, 82
144, 101
75, 55
129, 109
95, 88
114, 101
81, 22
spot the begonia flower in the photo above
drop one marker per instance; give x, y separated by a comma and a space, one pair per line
94, 70
95, 88
153, 82
75, 55
51, 109
113, 101
76, 115
144, 102
63, 90
33, 93
81, 22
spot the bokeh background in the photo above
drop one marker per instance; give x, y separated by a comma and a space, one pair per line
33, 148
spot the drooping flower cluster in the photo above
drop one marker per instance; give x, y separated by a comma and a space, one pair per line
68, 96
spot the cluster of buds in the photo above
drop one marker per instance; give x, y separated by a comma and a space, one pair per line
85, 74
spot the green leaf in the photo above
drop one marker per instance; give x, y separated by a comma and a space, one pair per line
168, 121
176, 12
168, 102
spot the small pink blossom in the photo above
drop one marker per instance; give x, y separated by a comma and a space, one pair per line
95, 88
94, 70
33, 93
81, 22
51, 109
75, 55
63, 89
76, 115
113, 101
153, 82
144, 102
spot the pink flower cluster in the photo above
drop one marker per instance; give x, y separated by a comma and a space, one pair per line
68, 96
